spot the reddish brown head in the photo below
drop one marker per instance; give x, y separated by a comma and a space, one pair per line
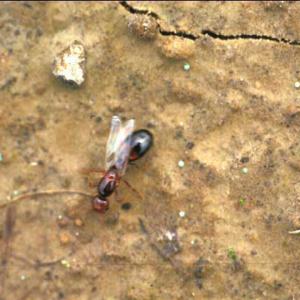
100, 205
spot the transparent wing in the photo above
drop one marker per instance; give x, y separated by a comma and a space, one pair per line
112, 142
118, 144
123, 147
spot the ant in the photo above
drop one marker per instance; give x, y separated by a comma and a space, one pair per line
124, 146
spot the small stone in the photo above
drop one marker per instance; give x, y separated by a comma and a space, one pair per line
65, 263
1, 157
245, 170
182, 214
181, 164
186, 67
23, 277
143, 26
78, 222
170, 235
64, 238
176, 47
34, 163
62, 221
189, 145
69, 65
297, 84
16, 193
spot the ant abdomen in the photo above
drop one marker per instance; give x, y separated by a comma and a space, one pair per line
141, 142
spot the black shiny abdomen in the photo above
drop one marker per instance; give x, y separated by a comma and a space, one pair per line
141, 142
107, 184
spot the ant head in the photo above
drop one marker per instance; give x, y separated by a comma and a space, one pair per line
100, 205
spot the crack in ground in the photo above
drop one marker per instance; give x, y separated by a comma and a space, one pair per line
207, 32
249, 37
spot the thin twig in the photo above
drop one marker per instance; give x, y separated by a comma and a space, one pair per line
44, 193
294, 232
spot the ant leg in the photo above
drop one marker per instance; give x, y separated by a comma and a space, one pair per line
132, 188
133, 163
116, 196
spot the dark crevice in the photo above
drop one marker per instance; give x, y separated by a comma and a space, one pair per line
179, 33
248, 37
207, 32
133, 10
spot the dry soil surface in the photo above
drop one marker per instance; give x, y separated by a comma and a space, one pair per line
217, 83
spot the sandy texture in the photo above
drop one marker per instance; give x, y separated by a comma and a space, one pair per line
232, 116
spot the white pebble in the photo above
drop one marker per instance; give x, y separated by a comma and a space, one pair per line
245, 170
182, 214
181, 164
23, 277
170, 235
297, 84
34, 163
16, 193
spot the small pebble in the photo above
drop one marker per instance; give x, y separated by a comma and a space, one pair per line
16, 193
245, 170
186, 67
23, 277
65, 263
182, 214
170, 235
143, 26
77, 233
176, 47
64, 238
1, 157
34, 163
62, 221
190, 145
78, 222
297, 84
181, 164
69, 65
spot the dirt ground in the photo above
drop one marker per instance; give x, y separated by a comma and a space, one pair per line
218, 85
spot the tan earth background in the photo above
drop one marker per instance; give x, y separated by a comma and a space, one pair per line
217, 83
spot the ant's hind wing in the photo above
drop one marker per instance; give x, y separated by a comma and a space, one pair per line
123, 147
112, 141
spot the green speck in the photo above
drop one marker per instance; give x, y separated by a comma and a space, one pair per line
186, 67
245, 170
1, 157
231, 254
16, 193
242, 201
